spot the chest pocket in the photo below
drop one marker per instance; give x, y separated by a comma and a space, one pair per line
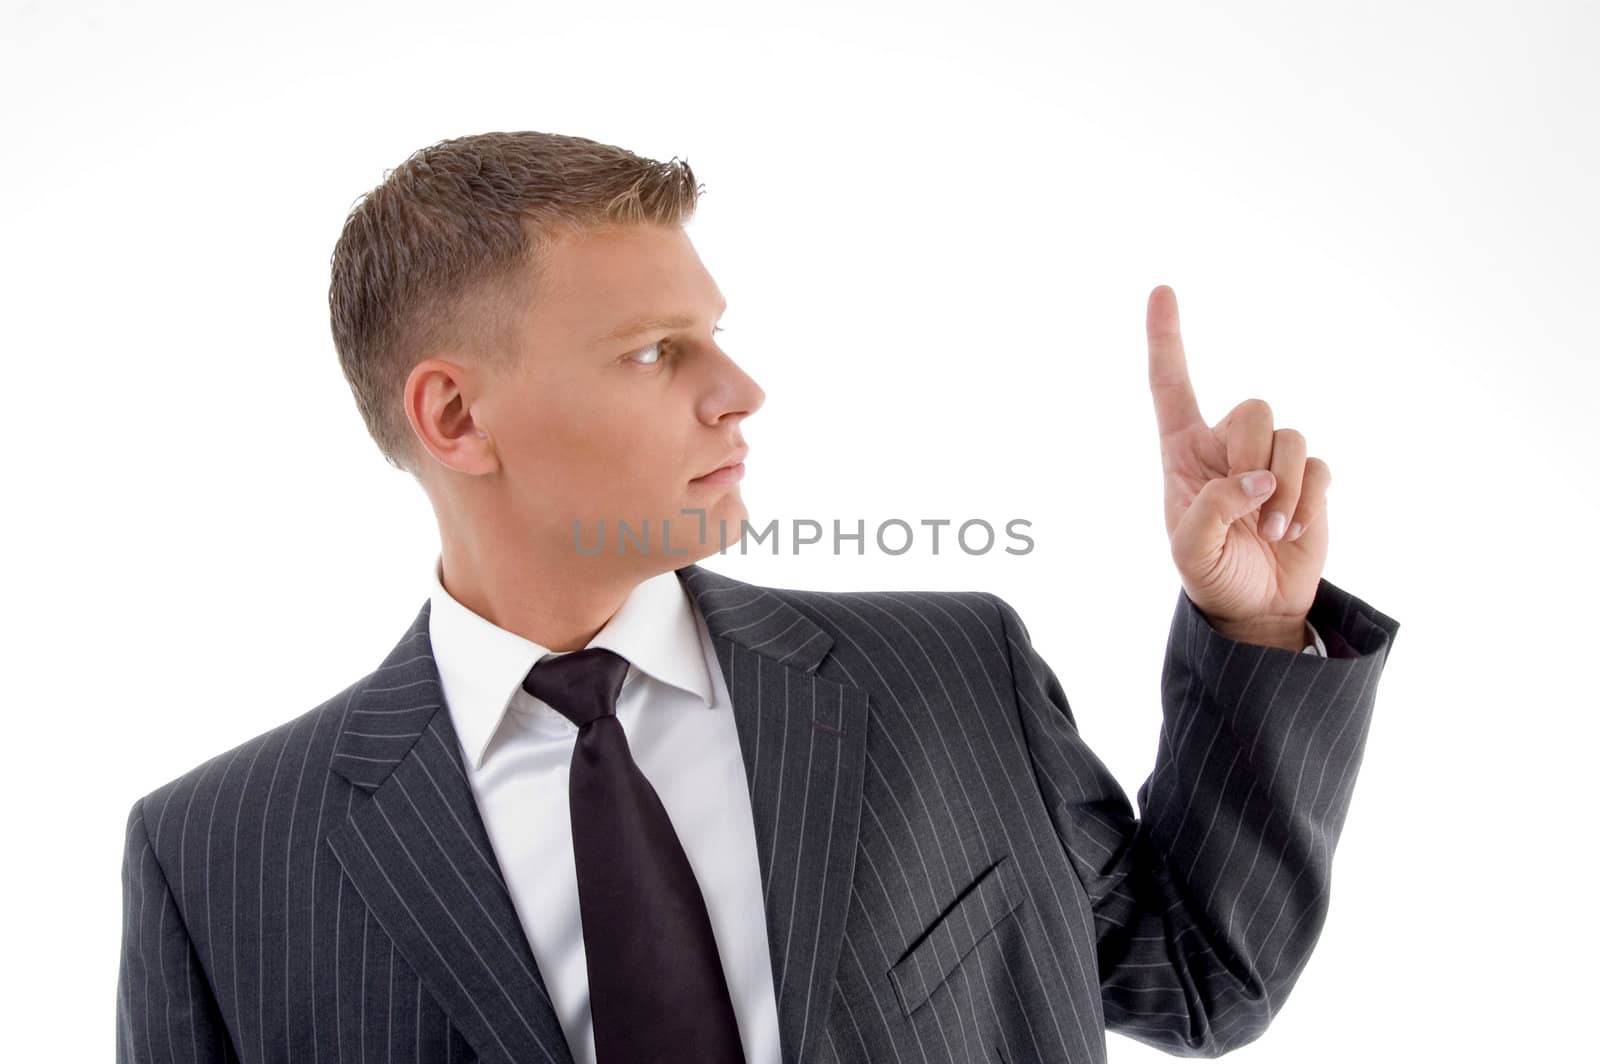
992, 897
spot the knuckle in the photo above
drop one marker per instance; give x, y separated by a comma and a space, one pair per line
1257, 407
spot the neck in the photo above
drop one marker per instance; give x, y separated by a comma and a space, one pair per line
559, 603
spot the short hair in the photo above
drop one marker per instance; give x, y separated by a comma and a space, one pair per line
442, 251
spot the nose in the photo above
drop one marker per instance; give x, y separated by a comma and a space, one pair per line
733, 392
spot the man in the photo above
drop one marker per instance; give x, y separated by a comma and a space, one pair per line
606, 804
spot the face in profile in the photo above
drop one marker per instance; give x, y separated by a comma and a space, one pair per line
620, 402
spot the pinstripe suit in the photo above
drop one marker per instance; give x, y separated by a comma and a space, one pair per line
951, 874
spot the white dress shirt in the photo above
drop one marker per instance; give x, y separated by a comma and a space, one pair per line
678, 719
1316, 646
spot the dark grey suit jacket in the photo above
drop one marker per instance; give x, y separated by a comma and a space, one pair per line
951, 874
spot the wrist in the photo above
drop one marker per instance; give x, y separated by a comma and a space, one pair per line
1290, 635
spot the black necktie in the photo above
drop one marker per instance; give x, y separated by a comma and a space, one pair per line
656, 987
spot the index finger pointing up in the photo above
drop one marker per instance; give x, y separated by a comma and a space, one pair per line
1169, 371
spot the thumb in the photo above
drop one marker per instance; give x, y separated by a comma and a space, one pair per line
1222, 502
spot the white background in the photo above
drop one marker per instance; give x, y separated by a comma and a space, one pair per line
937, 227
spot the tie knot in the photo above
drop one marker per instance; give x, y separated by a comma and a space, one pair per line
582, 685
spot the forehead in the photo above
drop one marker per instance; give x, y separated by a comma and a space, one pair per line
594, 282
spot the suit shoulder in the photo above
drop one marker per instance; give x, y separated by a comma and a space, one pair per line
306, 737
915, 610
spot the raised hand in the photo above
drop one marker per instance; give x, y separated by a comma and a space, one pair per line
1250, 563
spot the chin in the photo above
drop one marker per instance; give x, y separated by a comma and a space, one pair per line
724, 527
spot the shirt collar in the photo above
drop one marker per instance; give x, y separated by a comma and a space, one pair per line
482, 666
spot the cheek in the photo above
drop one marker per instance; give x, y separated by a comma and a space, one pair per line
621, 454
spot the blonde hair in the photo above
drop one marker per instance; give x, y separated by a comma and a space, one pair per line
444, 252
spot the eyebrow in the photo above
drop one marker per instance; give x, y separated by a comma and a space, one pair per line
651, 324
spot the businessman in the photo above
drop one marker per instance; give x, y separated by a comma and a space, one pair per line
609, 805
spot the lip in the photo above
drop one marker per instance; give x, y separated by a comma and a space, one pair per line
732, 468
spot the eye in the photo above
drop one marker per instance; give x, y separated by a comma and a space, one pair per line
656, 349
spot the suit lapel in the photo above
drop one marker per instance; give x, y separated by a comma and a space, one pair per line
804, 743
419, 854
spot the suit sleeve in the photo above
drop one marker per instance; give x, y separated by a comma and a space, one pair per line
1207, 906
165, 1009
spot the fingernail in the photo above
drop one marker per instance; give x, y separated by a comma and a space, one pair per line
1258, 483
1295, 530
1273, 527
